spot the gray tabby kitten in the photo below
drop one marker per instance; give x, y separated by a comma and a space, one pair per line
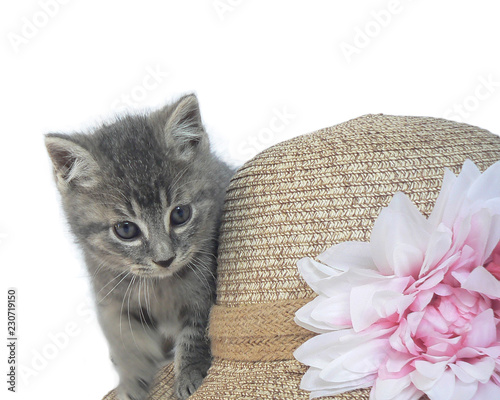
143, 197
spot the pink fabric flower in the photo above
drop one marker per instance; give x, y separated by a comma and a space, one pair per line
417, 309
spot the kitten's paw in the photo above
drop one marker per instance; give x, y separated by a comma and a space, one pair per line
136, 392
126, 396
187, 383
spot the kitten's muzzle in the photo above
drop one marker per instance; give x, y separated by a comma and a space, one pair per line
164, 263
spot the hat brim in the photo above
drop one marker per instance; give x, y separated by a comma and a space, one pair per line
244, 381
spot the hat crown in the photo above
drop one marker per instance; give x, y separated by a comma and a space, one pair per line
304, 195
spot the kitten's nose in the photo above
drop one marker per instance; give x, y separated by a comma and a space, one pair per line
164, 263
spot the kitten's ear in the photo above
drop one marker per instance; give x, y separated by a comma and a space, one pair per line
72, 163
184, 128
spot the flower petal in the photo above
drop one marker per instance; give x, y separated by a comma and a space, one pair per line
483, 330
333, 312
443, 388
452, 195
480, 280
388, 302
464, 391
442, 202
348, 255
486, 185
360, 361
388, 389
399, 224
462, 375
480, 231
320, 350
439, 244
312, 317
407, 260
402, 341
363, 312
488, 391
313, 271
344, 282
311, 381
481, 370
430, 370
427, 373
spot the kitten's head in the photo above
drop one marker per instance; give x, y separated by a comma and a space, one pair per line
144, 194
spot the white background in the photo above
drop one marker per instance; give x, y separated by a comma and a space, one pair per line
66, 67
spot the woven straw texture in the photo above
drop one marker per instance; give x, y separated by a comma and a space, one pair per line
295, 200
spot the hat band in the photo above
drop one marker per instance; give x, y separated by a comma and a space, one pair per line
257, 332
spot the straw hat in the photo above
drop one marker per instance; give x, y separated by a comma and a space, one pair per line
295, 200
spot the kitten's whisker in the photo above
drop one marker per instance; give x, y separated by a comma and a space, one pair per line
207, 253
140, 306
128, 313
123, 303
206, 267
113, 287
99, 267
142, 317
112, 280
153, 288
148, 302
212, 239
203, 280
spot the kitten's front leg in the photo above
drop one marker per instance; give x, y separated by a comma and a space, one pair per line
136, 350
136, 376
192, 358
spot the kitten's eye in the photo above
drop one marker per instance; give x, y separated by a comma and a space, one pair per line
180, 215
127, 230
